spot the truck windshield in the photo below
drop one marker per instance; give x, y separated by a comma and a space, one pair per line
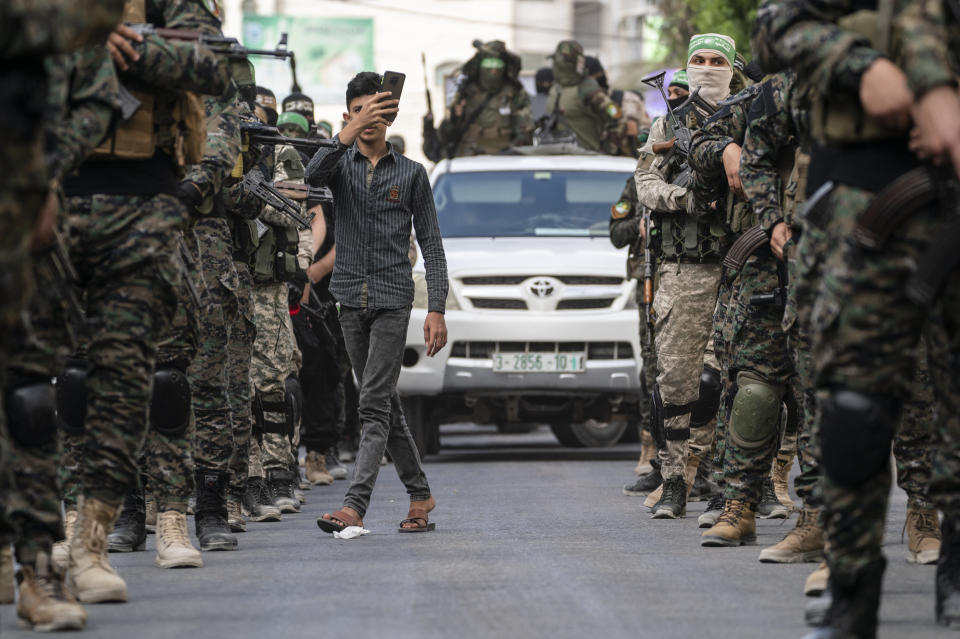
527, 203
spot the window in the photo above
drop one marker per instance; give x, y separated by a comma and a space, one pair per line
588, 24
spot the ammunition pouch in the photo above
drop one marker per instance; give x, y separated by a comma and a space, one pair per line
856, 432
31, 413
708, 402
749, 242
71, 396
245, 239
170, 406
275, 259
682, 238
134, 137
899, 200
189, 128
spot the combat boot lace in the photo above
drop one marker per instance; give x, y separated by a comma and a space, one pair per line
235, 515
90, 577
174, 549
854, 601
769, 506
316, 467
817, 580
151, 518
334, 466
645, 484
736, 526
923, 535
257, 502
802, 544
780, 475
61, 549
210, 517
130, 532
673, 502
712, 513
44, 603
281, 491
7, 591
948, 573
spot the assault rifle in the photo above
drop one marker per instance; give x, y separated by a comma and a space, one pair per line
257, 132
312, 195
268, 194
222, 45
187, 265
648, 270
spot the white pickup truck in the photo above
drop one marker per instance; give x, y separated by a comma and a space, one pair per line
542, 320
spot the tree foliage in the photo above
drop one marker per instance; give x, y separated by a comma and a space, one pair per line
684, 18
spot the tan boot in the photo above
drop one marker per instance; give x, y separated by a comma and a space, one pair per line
802, 544
817, 581
923, 535
174, 549
736, 526
780, 474
61, 549
44, 602
7, 591
653, 497
235, 515
90, 576
648, 451
316, 467
151, 520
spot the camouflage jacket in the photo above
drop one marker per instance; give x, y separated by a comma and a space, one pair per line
776, 129
805, 36
587, 111
38, 27
504, 120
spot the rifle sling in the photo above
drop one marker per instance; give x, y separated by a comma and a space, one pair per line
894, 204
746, 245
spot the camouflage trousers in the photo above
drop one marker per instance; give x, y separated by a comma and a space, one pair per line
18, 213
275, 358
751, 347
648, 374
866, 336
124, 248
208, 370
241, 335
683, 306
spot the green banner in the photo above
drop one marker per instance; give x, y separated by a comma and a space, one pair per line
330, 51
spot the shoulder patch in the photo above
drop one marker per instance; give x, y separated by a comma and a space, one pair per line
620, 210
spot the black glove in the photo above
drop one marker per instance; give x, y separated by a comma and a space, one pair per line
189, 193
295, 287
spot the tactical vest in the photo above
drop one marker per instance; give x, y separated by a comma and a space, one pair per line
795, 193
136, 137
577, 116
493, 128
275, 258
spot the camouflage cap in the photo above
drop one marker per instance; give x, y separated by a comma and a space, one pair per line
494, 48
569, 49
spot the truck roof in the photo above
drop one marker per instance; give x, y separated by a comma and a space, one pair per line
584, 162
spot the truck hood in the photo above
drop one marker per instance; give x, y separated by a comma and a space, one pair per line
533, 256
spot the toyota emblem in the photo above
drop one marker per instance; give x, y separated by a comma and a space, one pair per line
542, 287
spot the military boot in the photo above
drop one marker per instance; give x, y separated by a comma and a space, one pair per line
279, 481
769, 506
780, 476
923, 535
44, 603
645, 484
854, 601
130, 532
334, 466
802, 544
673, 502
174, 549
235, 514
151, 519
294, 473
61, 549
257, 501
90, 577
7, 591
817, 580
648, 452
316, 467
948, 573
736, 526
210, 517
710, 516
702, 488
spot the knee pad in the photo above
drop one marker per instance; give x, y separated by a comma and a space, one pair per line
272, 403
31, 413
170, 405
293, 401
71, 397
755, 418
856, 432
708, 403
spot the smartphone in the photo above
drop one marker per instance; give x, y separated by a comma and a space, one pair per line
392, 82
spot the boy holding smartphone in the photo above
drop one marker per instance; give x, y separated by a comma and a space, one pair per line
377, 192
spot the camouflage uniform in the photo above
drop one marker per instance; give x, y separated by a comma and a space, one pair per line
493, 119
866, 327
583, 107
125, 229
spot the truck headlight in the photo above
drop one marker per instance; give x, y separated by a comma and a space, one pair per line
420, 297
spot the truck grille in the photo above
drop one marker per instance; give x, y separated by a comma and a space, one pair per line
498, 303
584, 304
511, 280
594, 350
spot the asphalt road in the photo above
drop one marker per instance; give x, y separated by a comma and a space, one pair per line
532, 540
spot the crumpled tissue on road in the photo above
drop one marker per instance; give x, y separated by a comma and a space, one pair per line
351, 532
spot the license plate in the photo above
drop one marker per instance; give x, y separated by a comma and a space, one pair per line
539, 362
